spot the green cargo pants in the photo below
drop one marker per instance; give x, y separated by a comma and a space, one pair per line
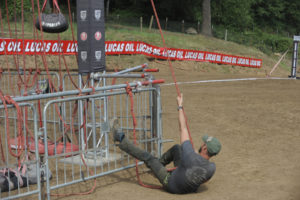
156, 165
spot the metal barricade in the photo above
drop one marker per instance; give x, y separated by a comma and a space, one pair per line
20, 166
72, 129
84, 148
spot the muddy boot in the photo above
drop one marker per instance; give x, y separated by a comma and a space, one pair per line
116, 130
172, 155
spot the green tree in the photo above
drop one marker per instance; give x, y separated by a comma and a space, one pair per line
14, 8
232, 13
292, 16
269, 13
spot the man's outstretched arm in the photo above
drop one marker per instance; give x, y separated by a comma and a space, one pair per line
184, 135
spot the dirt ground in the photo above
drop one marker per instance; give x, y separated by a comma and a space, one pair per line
257, 122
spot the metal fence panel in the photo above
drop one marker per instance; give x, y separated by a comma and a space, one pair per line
84, 148
17, 157
72, 128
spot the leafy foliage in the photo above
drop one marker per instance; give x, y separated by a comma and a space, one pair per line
232, 13
241, 15
260, 23
14, 8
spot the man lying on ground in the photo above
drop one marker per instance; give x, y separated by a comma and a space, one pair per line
193, 167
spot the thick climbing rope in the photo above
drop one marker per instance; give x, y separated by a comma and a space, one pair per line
129, 92
7, 100
51, 85
171, 67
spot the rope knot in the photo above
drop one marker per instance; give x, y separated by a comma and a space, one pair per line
128, 88
80, 92
94, 90
8, 99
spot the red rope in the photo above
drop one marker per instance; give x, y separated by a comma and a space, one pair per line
171, 68
14, 56
129, 92
45, 64
23, 54
7, 100
25, 81
44, 5
72, 29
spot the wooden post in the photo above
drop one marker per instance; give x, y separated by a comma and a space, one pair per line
73, 16
226, 35
182, 27
198, 27
166, 25
151, 22
107, 8
118, 19
141, 23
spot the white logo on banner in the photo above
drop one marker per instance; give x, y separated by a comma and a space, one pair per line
83, 56
97, 15
83, 15
98, 55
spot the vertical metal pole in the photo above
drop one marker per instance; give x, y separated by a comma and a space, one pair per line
80, 112
46, 153
36, 152
93, 123
158, 120
159, 113
153, 116
105, 120
295, 60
